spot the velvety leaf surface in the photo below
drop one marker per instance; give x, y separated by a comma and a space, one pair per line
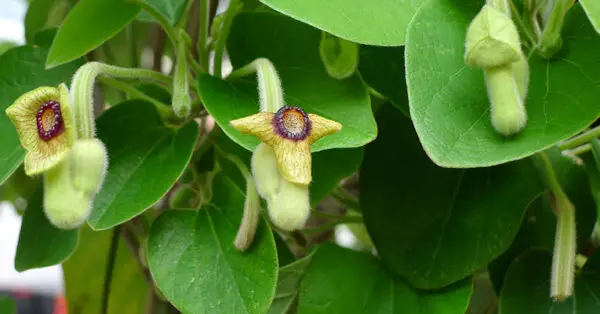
172, 9
376, 22
448, 101
85, 272
40, 243
304, 79
145, 159
22, 70
339, 280
382, 68
434, 225
527, 287
89, 24
592, 8
195, 265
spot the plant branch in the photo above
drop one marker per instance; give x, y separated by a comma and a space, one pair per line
110, 265
163, 108
232, 10
203, 52
160, 18
580, 139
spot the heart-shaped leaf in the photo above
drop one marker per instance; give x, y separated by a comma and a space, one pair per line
195, 265
433, 225
449, 104
305, 81
379, 22
145, 159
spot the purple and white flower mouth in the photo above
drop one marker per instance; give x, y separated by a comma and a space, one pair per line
49, 120
292, 123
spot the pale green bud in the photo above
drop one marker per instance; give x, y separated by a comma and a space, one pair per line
521, 73
64, 206
339, 56
507, 109
265, 172
492, 39
290, 208
247, 230
88, 162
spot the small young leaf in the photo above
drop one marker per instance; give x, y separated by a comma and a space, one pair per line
449, 105
339, 280
195, 265
145, 159
172, 9
22, 70
85, 274
305, 81
89, 24
380, 23
40, 243
434, 225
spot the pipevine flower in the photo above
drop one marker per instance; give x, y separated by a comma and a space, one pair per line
289, 132
45, 124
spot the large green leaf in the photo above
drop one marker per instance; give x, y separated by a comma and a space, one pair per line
329, 167
383, 69
305, 81
40, 243
526, 287
375, 22
22, 70
448, 101
592, 8
338, 280
145, 159
85, 274
435, 225
288, 284
172, 9
195, 265
89, 24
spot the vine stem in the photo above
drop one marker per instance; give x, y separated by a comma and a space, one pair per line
110, 265
203, 51
580, 139
163, 108
232, 10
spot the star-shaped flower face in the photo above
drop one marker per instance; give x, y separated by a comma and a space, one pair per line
45, 125
290, 132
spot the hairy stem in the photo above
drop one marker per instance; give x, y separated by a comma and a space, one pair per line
232, 10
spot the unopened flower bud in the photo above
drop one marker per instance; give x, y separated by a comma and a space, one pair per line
492, 39
290, 209
339, 56
88, 162
247, 230
507, 109
64, 206
521, 74
265, 172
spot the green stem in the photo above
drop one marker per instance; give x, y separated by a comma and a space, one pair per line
160, 18
110, 264
181, 100
82, 89
232, 10
163, 108
269, 83
580, 139
563, 259
203, 52
550, 41
346, 198
578, 150
185, 15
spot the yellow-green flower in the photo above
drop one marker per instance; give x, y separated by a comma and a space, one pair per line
290, 132
45, 124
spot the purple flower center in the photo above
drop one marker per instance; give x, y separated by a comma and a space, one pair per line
292, 123
49, 120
